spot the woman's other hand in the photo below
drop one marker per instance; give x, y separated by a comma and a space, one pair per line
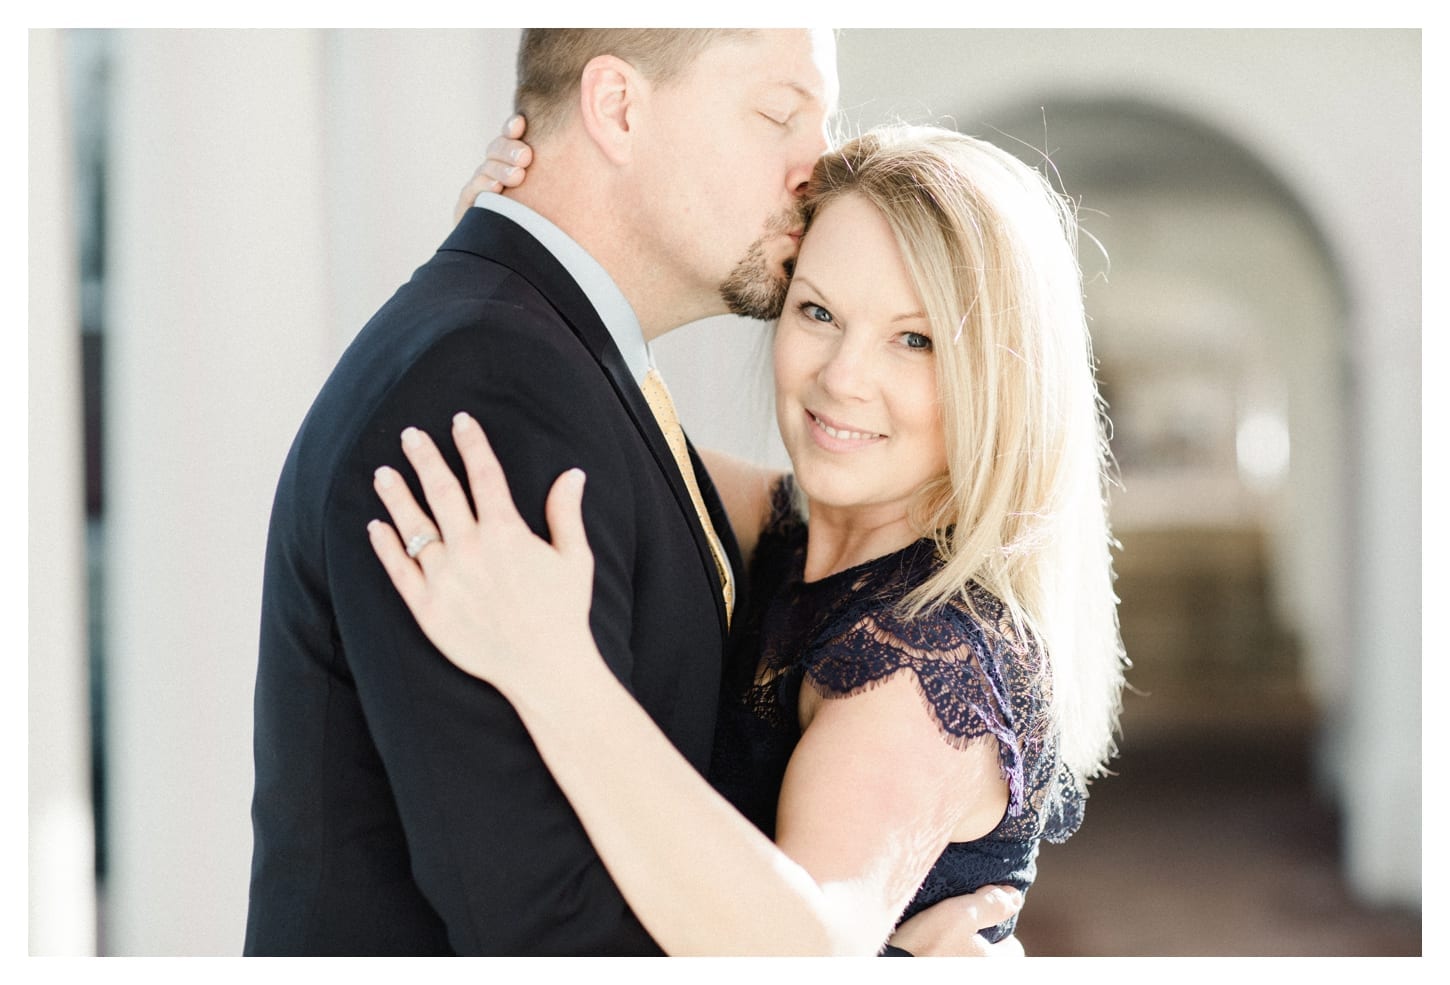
500, 602
951, 928
508, 157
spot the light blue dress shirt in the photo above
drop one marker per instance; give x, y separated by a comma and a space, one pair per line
601, 290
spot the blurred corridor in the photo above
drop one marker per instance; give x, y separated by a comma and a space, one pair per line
1210, 840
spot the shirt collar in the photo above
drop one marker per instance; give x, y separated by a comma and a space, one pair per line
601, 290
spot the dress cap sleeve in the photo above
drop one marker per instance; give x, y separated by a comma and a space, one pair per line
970, 675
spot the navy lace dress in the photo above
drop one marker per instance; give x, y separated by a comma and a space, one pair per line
841, 636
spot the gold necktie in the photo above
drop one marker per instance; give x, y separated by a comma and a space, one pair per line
658, 396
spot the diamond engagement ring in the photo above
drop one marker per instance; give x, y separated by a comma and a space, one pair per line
417, 542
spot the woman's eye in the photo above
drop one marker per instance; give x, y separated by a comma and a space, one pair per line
815, 312
915, 340
783, 120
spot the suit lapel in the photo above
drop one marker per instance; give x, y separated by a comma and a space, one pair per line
503, 241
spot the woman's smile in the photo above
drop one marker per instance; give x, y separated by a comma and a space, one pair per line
836, 436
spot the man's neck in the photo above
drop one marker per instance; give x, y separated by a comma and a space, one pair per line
567, 197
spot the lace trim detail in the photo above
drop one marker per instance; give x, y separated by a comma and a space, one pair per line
960, 679
977, 675
785, 515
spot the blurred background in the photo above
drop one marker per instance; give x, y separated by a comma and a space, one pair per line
215, 213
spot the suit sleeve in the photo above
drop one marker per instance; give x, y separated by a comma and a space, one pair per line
492, 841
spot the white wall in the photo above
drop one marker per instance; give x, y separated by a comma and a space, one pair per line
271, 188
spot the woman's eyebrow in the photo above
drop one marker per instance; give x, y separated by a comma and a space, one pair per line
915, 315
801, 279
911, 316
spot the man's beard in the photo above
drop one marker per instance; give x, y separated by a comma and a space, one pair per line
754, 289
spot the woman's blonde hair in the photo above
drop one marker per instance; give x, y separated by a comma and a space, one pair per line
992, 252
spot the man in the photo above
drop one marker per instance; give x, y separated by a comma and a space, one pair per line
400, 806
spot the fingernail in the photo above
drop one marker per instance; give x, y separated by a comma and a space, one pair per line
516, 154
383, 477
461, 418
576, 476
412, 438
511, 172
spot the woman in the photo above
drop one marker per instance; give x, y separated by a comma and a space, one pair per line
932, 664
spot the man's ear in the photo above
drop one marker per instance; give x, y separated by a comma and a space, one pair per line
609, 89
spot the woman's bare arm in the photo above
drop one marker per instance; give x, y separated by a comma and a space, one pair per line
871, 797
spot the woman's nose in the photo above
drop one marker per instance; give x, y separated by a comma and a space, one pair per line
846, 374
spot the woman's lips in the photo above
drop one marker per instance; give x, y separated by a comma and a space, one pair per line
839, 436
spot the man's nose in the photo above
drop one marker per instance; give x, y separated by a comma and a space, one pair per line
797, 180
799, 176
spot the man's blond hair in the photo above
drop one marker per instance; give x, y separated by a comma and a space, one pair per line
551, 62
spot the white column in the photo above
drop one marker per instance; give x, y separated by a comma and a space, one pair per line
61, 828
216, 339
270, 190
1383, 789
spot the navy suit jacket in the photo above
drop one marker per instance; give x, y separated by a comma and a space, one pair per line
400, 807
